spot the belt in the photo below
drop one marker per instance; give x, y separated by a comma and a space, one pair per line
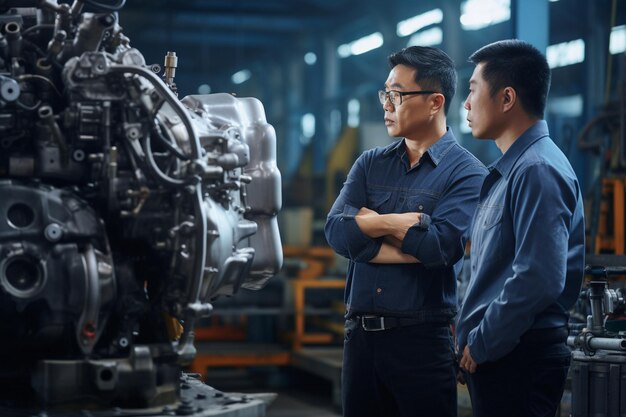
377, 323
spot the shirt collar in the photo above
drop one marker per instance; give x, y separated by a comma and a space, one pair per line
505, 163
436, 151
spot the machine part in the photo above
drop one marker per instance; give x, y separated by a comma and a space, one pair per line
126, 212
598, 384
9, 89
121, 381
598, 367
589, 343
194, 398
170, 64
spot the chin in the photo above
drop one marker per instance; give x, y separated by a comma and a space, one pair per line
478, 134
392, 132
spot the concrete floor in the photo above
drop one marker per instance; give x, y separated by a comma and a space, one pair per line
301, 394
298, 393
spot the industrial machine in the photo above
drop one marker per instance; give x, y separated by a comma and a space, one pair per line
598, 367
124, 212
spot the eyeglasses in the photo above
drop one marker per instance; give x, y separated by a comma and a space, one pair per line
395, 97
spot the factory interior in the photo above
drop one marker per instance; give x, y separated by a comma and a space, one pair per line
275, 349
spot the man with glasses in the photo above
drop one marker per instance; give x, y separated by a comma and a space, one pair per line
400, 219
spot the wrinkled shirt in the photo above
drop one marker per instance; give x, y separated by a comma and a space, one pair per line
527, 253
443, 185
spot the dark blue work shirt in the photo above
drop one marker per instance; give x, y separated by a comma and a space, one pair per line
528, 245
444, 185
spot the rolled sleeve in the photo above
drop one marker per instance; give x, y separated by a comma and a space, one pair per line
361, 248
342, 231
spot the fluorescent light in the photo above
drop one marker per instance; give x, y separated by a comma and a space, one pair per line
241, 76
571, 106
310, 58
477, 14
415, 23
617, 41
428, 37
354, 107
366, 43
361, 45
566, 53
344, 50
307, 122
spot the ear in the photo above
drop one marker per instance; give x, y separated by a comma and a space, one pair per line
509, 98
437, 103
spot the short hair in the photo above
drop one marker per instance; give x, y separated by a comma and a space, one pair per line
434, 69
518, 64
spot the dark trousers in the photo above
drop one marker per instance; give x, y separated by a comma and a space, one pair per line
528, 382
404, 371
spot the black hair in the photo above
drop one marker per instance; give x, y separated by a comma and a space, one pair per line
434, 69
517, 64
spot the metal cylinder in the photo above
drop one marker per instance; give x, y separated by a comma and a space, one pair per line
170, 64
597, 343
13, 34
596, 297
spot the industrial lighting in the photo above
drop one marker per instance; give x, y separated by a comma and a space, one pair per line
310, 58
415, 23
241, 76
566, 53
428, 37
361, 45
477, 14
570, 106
307, 122
354, 107
617, 41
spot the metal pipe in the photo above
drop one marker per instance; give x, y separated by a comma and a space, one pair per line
596, 296
194, 308
595, 343
14, 38
46, 115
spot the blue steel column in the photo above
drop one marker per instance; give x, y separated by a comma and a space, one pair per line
531, 22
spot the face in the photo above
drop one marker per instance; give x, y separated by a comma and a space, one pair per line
482, 113
407, 119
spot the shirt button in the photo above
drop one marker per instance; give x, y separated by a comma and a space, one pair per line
379, 290
420, 207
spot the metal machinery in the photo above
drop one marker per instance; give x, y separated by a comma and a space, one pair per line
599, 359
124, 212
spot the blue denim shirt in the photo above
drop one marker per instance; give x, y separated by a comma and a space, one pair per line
444, 185
528, 242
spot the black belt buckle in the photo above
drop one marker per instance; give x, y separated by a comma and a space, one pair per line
374, 323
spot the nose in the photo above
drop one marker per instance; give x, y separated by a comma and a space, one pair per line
388, 106
466, 104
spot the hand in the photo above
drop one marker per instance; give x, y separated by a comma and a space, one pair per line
460, 378
467, 362
365, 211
402, 222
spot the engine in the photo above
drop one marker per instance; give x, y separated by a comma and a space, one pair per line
124, 210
